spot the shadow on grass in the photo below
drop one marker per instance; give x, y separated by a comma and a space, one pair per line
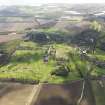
26, 58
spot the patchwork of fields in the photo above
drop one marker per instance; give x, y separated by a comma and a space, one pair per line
27, 63
7, 38
51, 58
16, 26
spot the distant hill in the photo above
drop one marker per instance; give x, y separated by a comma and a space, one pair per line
14, 11
32, 10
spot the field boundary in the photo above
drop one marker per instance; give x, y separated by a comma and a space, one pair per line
14, 80
34, 95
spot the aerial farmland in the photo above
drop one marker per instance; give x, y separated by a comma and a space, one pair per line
52, 47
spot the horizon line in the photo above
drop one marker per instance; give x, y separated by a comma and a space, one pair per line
39, 4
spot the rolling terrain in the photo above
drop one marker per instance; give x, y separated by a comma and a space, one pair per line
59, 49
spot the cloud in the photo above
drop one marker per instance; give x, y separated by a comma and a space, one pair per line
33, 2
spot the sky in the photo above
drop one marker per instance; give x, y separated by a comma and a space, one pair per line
34, 2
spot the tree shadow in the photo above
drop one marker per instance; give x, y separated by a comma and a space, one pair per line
55, 100
27, 58
59, 94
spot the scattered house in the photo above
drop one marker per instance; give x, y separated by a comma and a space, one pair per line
13, 33
100, 13
75, 13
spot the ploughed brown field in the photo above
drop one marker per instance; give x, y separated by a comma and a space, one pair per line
6, 38
10, 30
50, 94
69, 94
13, 26
15, 93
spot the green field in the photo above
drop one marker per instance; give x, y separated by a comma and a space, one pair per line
27, 62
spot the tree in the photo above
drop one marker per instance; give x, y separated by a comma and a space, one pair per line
87, 86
